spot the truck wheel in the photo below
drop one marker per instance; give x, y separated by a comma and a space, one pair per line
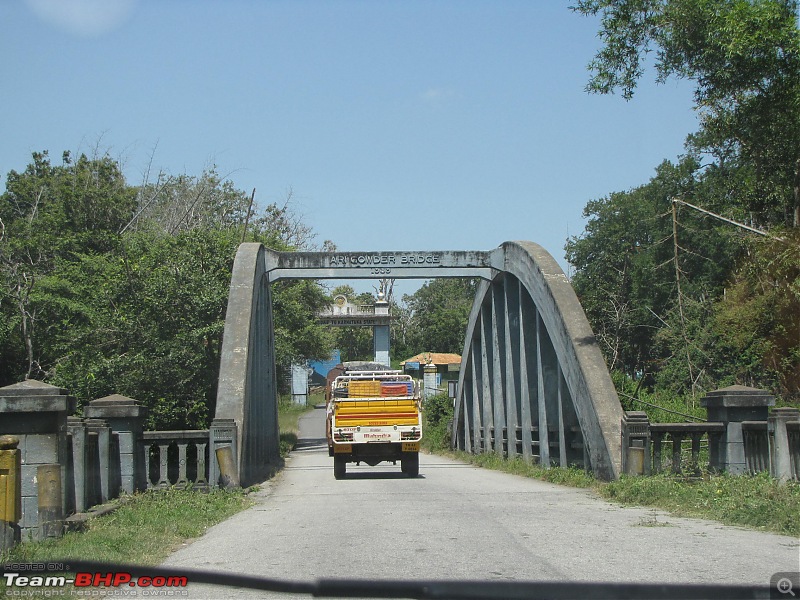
339, 467
410, 464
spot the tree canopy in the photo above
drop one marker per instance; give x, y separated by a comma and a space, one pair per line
111, 288
680, 297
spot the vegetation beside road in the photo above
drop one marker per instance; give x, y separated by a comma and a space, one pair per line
143, 530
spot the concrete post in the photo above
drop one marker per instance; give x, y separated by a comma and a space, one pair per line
779, 454
51, 513
635, 443
223, 432
380, 333
125, 417
429, 380
76, 488
731, 406
36, 413
10, 492
228, 473
103, 464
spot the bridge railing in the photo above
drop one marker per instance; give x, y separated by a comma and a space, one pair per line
175, 458
92, 459
691, 446
732, 442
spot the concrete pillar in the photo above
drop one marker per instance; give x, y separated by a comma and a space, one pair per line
380, 333
222, 433
779, 454
10, 492
36, 413
429, 380
125, 417
731, 406
50, 501
76, 476
635, 443
102, 473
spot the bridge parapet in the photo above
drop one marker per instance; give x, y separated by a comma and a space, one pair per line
732, 443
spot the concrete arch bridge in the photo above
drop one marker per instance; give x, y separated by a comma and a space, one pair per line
533, 382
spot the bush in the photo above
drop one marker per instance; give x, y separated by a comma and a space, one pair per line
438, 415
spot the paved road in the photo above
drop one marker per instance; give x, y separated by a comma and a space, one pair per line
460, 522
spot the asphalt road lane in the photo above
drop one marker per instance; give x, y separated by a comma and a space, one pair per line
457, 521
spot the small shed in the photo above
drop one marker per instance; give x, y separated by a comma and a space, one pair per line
447, 367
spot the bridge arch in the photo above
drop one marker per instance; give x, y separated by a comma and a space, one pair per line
533, 382
530, 356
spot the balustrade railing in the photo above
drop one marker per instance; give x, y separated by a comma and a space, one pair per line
175, 458
686, 441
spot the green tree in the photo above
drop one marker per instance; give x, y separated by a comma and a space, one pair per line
758, 319
100, 296
744, 58
51, 215
626, 279
439, 315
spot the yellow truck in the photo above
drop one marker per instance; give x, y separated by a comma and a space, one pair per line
374, 416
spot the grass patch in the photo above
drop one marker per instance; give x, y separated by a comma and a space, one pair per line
144, 530
572, 476
758, 501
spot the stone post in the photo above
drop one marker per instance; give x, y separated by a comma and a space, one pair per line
10, 492
50, 501
125, 417
779, 454
635, 443
221, 434
429, 380
103, 464
76, 489
731, 406
36, 413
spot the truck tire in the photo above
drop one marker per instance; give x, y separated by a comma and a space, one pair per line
339, 467
409, 464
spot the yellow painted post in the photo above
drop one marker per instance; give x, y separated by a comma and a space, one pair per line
229, 475
10, 491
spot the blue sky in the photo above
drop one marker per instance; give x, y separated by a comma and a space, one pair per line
398, 125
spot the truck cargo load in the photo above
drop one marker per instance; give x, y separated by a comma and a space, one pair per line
373, 416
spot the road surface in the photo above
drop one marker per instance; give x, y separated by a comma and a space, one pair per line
457, 521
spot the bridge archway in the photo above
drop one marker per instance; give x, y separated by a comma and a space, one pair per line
529, 358
533, 382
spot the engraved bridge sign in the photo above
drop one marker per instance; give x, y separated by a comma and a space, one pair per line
377, 265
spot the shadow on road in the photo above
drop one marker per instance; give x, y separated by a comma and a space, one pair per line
378, 475
307, 444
